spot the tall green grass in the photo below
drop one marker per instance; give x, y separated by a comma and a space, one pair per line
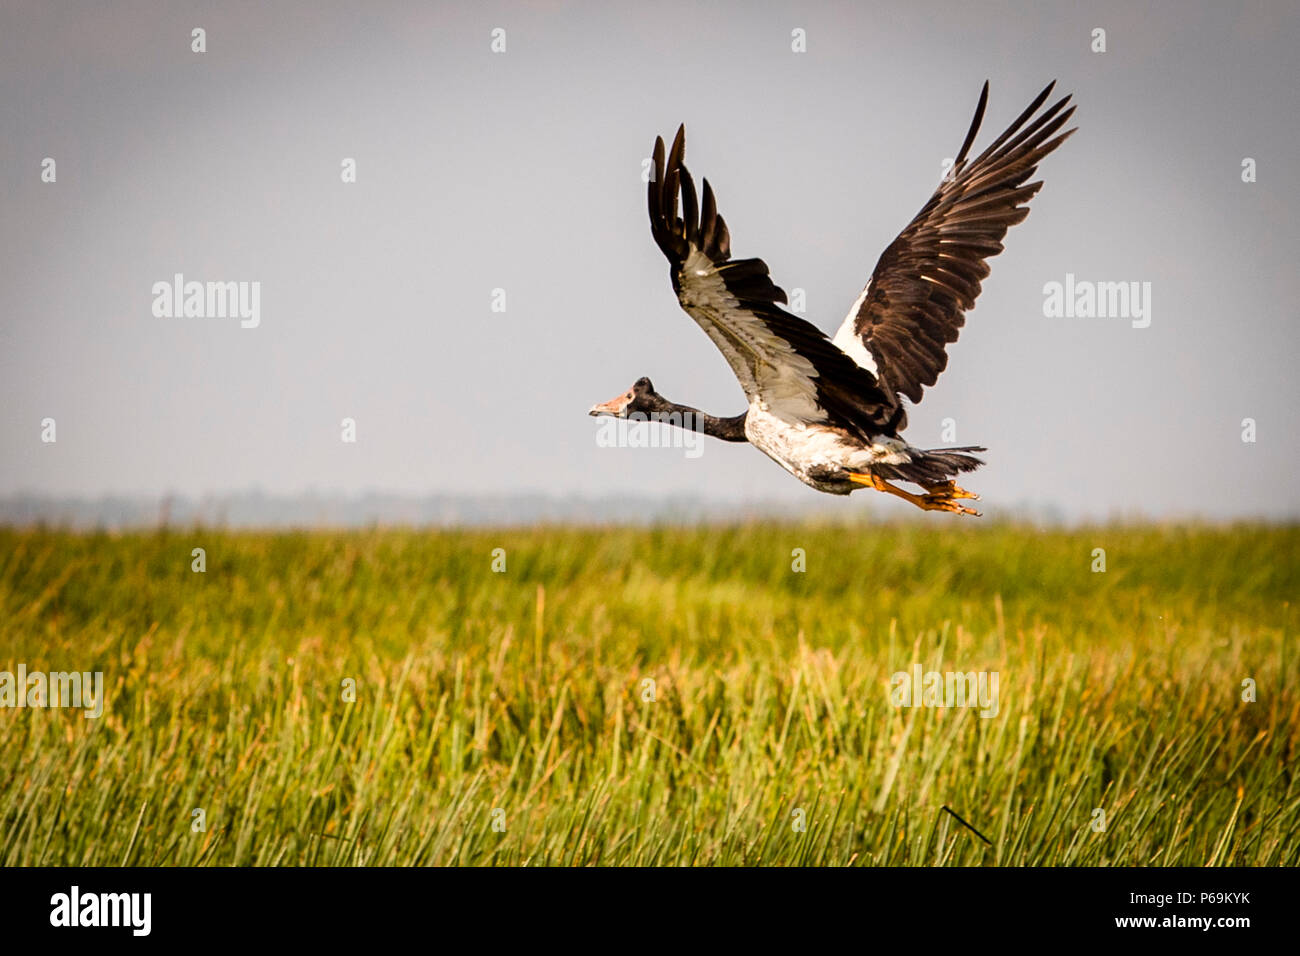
519, 699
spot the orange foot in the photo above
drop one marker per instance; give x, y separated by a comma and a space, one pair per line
941, 497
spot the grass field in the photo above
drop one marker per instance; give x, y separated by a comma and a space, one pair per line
502, 718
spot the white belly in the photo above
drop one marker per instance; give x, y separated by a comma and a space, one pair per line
816, 454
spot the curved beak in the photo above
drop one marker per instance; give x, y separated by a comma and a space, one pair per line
614, 406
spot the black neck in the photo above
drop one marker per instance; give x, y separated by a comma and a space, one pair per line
684, 416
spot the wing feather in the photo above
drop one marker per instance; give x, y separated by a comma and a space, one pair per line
783, 363
927, 279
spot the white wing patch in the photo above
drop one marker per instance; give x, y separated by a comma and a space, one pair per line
849, 342
774, 376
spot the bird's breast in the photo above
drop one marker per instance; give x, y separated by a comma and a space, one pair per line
816, 454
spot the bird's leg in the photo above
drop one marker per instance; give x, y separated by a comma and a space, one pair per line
872, 481
943, 497
937, 497
949, 489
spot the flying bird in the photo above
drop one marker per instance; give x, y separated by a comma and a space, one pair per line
831, 411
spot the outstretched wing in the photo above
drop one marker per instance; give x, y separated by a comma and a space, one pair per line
916, 301
783, 363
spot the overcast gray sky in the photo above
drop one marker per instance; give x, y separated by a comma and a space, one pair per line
521, 171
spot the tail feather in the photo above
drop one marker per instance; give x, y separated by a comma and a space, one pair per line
932, 466
956, 459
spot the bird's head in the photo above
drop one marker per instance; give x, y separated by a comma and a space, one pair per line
641, 397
